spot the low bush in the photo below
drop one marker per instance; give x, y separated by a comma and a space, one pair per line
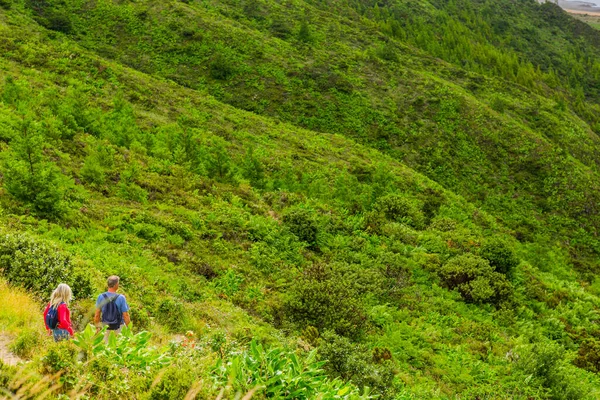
546, 365
475, 279
500, 255
401, 209
327, 297
172, 314
282, 374
33, 264
355, 362
175, 383
303, 224
26, 344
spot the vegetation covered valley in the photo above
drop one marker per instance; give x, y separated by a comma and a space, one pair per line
303, 199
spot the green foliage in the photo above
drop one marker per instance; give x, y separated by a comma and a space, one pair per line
172, 314
304, 33
328, 297
33, 264
546, 365
354, 362
174, 383
588, 356
30, 177
126, 350
280, 373
221, 67
26, 343
92, 171
218, 163
400, 209
303, 224
61, 358
500, 255
475, 279
253, 170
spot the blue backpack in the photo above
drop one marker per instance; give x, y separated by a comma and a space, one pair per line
110, 312
52, 317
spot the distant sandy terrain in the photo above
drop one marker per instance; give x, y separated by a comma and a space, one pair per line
592, 13
591, 7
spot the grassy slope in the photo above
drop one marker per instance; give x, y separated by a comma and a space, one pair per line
457, 128
427, 326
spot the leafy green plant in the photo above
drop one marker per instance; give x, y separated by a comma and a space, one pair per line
500, 255
280, 373
26, 343
475, 279
33, 264
400, 209
327, 297
351, 361
29, 176
303, 224
126, 350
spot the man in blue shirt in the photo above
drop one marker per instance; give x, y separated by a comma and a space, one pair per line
112, 308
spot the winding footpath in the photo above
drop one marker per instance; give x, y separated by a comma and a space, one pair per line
6, 356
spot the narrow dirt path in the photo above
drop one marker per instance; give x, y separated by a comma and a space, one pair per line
6, 355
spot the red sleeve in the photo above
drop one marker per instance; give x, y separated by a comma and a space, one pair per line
46, 313
64, 318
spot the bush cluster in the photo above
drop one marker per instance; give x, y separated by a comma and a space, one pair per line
475, 279
39, 266
303, 224
398, 208
328, 297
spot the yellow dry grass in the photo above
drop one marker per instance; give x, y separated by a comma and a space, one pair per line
18, 311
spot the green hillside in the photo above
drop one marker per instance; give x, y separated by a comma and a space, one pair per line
303, 199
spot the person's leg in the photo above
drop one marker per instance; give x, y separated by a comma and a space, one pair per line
60, 334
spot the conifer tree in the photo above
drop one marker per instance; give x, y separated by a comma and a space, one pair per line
29, 176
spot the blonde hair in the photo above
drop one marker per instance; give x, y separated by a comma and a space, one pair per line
62, 294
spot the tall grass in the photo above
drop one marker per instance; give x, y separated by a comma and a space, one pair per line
19, 312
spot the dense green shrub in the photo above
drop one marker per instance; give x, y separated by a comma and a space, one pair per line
327, 297
588, 355
32, 264
400, 209
221, 67
30, 177
175, 383
500, 255
546, 365
355, 362
172, 314
26, 344
475, 279
61, 358
281, 28
92, 171
218, 162
59, 22
281, 374
304, 33
303, 224
253, 170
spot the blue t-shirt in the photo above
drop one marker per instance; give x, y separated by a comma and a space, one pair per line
121, 303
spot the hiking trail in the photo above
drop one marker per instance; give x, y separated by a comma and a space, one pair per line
6, 356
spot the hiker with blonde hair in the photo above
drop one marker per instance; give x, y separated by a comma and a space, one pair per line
57, 315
